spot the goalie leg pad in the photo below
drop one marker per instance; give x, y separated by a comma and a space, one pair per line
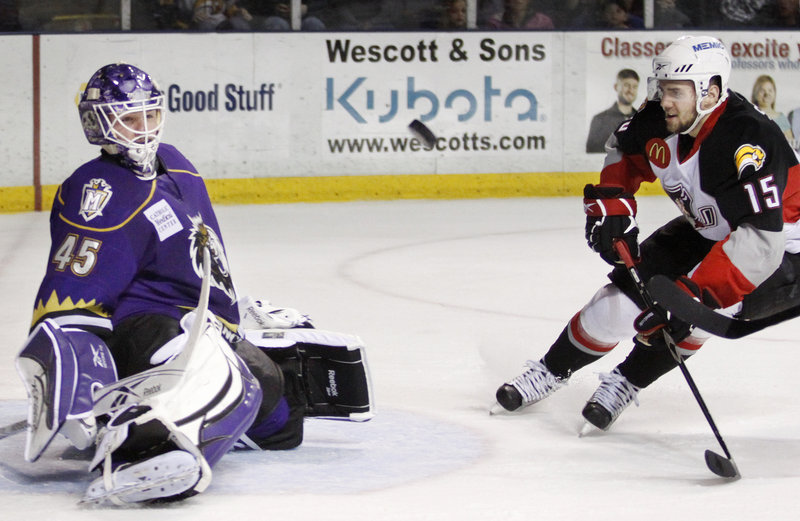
205, 397
60, 367
331, 369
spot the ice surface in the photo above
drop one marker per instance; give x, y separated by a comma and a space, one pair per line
450, 297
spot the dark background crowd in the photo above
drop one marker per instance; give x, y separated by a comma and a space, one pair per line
388, 15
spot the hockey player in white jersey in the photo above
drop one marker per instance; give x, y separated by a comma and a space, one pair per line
736, 181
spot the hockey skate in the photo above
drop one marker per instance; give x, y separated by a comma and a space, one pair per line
533, 385
610, 399
164, 476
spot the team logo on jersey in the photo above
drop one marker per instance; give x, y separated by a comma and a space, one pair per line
747, 155
201, 236
703, 217
96, 194
658, 152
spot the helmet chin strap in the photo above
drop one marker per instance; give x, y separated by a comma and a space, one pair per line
703, 113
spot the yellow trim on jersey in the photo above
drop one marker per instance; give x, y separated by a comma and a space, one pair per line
112, 228
53, 304
175, 170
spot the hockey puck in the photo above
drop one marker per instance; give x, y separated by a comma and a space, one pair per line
423, 133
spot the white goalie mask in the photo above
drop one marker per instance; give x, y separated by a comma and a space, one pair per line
122, 109
697, 59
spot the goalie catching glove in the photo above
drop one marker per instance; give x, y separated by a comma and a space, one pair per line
650, 323
257, 314
610, 215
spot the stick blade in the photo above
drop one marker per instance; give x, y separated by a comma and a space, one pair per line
722, 466
423, 133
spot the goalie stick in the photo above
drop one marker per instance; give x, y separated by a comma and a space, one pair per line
722, 466
681, 304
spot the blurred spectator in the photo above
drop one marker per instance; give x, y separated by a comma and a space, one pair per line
765, 92
219, 15
740, 12
635, 9
275, 15
794, 121
604, 123
668, 16
449, 15
416, 14
362, 15
149, 15
579, 14
615, 15
780, 14
486, 9
9, 16
520, 14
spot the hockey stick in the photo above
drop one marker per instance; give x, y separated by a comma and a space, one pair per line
172, 371
682, 305
723, 466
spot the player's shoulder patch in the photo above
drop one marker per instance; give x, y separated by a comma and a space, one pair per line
749, 155
101, 196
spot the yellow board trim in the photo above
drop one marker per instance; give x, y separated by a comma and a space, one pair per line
265, 190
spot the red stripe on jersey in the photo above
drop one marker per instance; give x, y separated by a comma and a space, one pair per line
717, 273
579, 335
791, 196
629, 172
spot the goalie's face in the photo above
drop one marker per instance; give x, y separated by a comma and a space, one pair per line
138, 126
679, 101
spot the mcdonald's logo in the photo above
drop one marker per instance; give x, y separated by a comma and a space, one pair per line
658, 152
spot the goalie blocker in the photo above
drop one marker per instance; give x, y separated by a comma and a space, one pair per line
333, 367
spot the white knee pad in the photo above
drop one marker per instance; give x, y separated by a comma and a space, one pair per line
609, 315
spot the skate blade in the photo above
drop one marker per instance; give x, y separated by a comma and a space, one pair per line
496, 409
586, 428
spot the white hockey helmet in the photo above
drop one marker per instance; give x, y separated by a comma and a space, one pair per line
695, 58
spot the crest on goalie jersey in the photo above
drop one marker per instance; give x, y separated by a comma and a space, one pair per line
201, 236
95, 197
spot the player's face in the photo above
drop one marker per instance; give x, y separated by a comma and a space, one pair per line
627, 90
134, 125
679, 101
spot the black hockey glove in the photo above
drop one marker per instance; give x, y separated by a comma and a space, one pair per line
649, 323
610, 214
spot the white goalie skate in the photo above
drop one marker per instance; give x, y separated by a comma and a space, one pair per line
165, 475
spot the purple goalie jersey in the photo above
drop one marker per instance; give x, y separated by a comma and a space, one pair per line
123, 246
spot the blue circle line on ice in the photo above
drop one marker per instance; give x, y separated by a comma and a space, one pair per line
394, 448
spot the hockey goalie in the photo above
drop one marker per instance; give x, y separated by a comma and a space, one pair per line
140, 345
